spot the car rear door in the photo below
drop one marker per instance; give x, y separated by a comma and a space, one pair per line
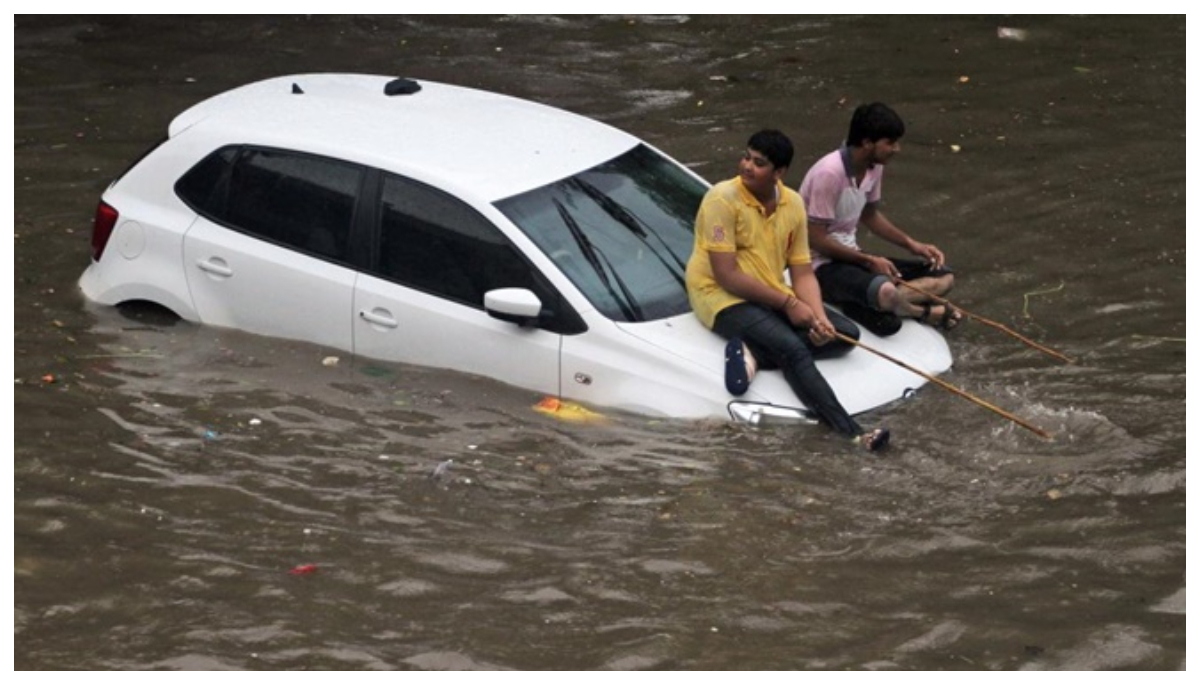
422, 300
242, 282
270, 257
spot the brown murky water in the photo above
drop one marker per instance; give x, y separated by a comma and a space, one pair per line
171, 475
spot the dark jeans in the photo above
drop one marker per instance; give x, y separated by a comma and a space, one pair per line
856, 290
775, 343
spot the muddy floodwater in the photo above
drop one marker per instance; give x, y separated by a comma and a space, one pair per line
168, 478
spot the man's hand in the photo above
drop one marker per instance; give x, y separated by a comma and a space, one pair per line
930, 253
798, 313
881, 265
821, 331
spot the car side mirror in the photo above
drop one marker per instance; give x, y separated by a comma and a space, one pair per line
515, 305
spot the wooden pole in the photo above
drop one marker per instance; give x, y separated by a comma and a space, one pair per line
946, 303
937, 381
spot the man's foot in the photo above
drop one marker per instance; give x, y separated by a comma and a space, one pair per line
740, 367
875, 440
941, 316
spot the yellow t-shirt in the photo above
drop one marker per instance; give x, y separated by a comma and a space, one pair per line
731, 219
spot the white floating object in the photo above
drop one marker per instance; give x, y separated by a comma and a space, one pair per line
1007, 33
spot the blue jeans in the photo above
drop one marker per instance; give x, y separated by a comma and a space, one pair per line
775, 343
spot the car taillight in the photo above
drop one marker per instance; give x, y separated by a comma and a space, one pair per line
102, 228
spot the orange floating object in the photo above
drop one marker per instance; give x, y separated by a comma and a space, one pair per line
567, 411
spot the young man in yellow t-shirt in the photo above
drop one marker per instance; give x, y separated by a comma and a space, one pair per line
749, 230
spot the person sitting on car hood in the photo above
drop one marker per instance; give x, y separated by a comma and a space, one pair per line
749, 229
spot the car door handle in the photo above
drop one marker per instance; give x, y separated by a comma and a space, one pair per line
379, 318
215, 267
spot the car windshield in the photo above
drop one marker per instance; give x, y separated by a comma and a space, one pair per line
622, 232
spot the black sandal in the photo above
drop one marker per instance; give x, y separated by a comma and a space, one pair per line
949, 319
874, 440
924, 317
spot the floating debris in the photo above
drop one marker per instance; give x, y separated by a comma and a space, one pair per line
303, 570
330, 361
1047, 291
567, 411
130, 355
441, 469
1158, 338
1008, 33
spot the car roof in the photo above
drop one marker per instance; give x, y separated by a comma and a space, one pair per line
470, 141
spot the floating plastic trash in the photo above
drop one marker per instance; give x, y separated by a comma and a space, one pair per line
567, 411
1007, 33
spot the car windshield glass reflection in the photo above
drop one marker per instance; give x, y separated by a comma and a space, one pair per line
622, 232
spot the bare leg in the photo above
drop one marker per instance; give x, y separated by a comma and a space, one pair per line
910, 303
934, 285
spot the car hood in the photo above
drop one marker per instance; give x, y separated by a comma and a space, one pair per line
862, 380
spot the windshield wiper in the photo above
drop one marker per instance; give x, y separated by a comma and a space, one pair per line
635, 225
628, 304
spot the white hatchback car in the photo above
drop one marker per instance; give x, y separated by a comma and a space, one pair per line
442, 226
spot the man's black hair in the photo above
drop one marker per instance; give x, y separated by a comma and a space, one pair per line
873, 122
773, 145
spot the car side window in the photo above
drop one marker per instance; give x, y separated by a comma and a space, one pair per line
300, 201
204, 187
433, 242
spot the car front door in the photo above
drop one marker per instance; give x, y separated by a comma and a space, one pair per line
422, 300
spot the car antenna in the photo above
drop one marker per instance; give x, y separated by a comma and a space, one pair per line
401, 86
